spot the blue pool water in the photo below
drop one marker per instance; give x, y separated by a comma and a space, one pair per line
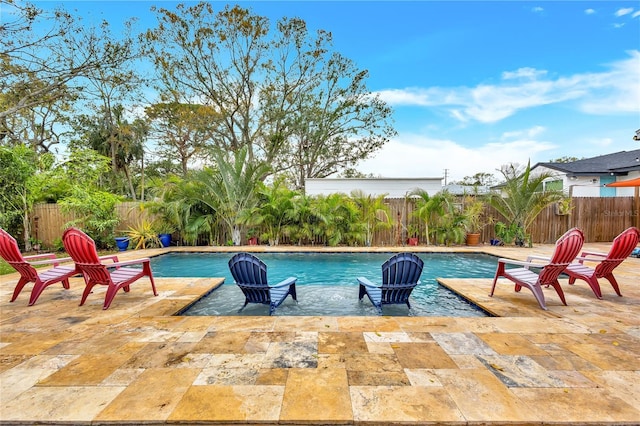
327, 283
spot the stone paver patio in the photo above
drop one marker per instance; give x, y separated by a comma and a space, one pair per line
136, 363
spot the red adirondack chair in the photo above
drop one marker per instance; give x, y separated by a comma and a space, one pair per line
10, 252
115, 276
621, 248
567, 248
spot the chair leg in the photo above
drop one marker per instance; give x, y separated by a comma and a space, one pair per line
362, 292
38, 288
499, 271
112, 290
85, 293
595, 286
614, 283
558, 289
537, 292
21, 283
153, 285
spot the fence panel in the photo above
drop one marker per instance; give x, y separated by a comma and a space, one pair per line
601, 220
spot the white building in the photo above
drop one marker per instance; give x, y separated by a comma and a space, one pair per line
392, 187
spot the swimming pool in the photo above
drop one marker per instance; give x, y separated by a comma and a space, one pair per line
327, 283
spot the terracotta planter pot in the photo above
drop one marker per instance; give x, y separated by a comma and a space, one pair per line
412, 241
473, 239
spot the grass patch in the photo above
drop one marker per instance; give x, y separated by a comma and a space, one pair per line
5, 268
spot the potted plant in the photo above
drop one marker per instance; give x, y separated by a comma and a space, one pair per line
473, 220
413, 231
122, 243
512, 233
252, 237
564, 207
164, 230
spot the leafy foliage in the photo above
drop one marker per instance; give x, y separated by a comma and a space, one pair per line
523, 198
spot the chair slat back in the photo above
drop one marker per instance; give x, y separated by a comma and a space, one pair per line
82, 250
10, 252
401, 269
400, 275
567, 248
250, 274
621, 248
248, 269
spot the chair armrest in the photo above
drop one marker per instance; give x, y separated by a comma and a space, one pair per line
285, 283
584, 254
112, 257
521, 263
533, 256
365, 282
55, 261
40, 256
128, 262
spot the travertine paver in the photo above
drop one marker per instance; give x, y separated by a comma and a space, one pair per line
137, 363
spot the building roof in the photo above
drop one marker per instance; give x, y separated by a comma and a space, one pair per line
618, 164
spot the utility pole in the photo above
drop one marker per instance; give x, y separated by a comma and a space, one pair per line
446, 175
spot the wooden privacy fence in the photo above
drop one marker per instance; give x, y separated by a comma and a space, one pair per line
601, 219
48, 221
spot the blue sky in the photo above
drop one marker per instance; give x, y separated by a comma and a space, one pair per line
478, 84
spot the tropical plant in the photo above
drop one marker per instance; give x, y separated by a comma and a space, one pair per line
443, 219
424, 210
509, 234
339, 219
473, 211
523, 199
273, 211
305, 223
143, 235
230, 189
374, 213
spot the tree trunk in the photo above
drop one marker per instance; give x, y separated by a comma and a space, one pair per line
26, 225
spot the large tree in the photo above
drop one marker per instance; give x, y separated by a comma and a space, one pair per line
281, 94
43, 54
182, 131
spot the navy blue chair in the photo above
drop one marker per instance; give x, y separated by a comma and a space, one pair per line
250, 274
400, 275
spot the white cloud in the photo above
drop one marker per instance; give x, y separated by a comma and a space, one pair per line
410, 155
636, 14
589, 11
529, 133
624, 11
615, 90
523, 73
537, 9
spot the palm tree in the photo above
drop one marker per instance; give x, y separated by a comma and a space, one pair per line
305, 223
442, 218
274, 211
231, 188
523, 198
338, 216
375, 214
